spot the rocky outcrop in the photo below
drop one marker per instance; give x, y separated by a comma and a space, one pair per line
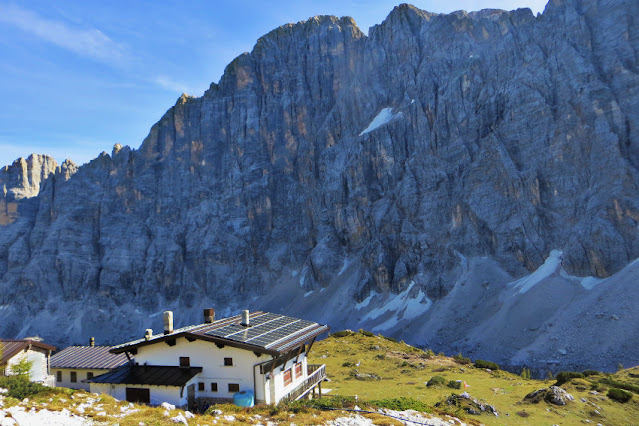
553, 395
388, 181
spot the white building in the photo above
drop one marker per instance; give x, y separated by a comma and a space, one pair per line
202, 364
73, 365
36, 352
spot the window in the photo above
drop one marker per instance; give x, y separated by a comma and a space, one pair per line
138, 395
234, 387
200, 387
89, 375
59, 376
298, 370
288, 377
228, 362
185, 361
213, 387
74, 377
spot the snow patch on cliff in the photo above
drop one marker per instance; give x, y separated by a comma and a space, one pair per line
384, 117
551, 266
402, 305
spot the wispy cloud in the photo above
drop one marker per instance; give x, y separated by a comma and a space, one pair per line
87, 42
169, 84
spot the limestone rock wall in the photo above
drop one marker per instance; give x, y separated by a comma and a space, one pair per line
326, 159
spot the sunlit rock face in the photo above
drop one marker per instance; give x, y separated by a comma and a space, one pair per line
399, 181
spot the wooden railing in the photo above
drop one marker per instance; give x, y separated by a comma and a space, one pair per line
316, 373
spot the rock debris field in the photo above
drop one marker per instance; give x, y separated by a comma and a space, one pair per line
25, 414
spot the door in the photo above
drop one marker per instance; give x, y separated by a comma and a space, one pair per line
190, 396
138, 395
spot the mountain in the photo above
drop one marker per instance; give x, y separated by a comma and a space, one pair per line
465, 181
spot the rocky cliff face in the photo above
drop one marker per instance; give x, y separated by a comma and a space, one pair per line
402, 181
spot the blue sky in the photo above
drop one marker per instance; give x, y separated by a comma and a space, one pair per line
76, 77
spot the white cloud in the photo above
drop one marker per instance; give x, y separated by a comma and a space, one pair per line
170, 84
88, 42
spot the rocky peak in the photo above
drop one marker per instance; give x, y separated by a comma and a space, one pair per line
23, 178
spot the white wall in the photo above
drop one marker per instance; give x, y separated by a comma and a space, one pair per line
278, 380
81, 375
211, 358
158, 394
39, 369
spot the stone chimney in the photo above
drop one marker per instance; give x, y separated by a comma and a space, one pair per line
209, 315
148, 334
168, 322
245, 318
92, 341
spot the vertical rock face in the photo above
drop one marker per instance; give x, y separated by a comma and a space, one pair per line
329, 173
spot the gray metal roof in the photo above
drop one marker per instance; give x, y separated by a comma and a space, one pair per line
10, 347
87, 357
268, 333
159, 375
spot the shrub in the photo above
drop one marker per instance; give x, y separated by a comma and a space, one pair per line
620, 385
402, 404
22, 368
525, 373
366, 333
460, 359
427, 354
455, 384
20, 387
342, 333
587, 373
619, 395
390, 339
348, 364
566, 376
480, 363
436, 381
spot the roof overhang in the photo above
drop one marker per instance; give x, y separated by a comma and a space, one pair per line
226, 342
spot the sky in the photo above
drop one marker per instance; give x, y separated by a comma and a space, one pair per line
77, 77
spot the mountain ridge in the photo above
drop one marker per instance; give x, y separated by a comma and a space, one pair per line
512, 136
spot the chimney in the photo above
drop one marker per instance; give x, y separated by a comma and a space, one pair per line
92, 342
245, 318
168, 322
148, 334
209, 315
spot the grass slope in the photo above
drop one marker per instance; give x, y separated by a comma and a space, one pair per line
390, 369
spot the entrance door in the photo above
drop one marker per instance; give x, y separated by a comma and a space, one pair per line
138, 395
190, 395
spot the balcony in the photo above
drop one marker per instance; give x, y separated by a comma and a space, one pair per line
316, 374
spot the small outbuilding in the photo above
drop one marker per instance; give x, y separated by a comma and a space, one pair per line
73, 365
259, 354
33, 350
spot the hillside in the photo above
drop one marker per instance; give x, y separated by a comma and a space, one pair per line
380, 376
464, 181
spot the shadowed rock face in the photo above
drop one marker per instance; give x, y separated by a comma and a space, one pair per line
328, 171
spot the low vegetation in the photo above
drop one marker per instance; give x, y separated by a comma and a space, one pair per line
480, 363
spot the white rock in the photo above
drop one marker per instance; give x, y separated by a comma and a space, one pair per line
229, 418
188, 415
167, 406
179, 419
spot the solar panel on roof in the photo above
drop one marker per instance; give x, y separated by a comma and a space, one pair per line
264, 330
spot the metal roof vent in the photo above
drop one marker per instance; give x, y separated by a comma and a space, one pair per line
245, 318
148, 334
92, 341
